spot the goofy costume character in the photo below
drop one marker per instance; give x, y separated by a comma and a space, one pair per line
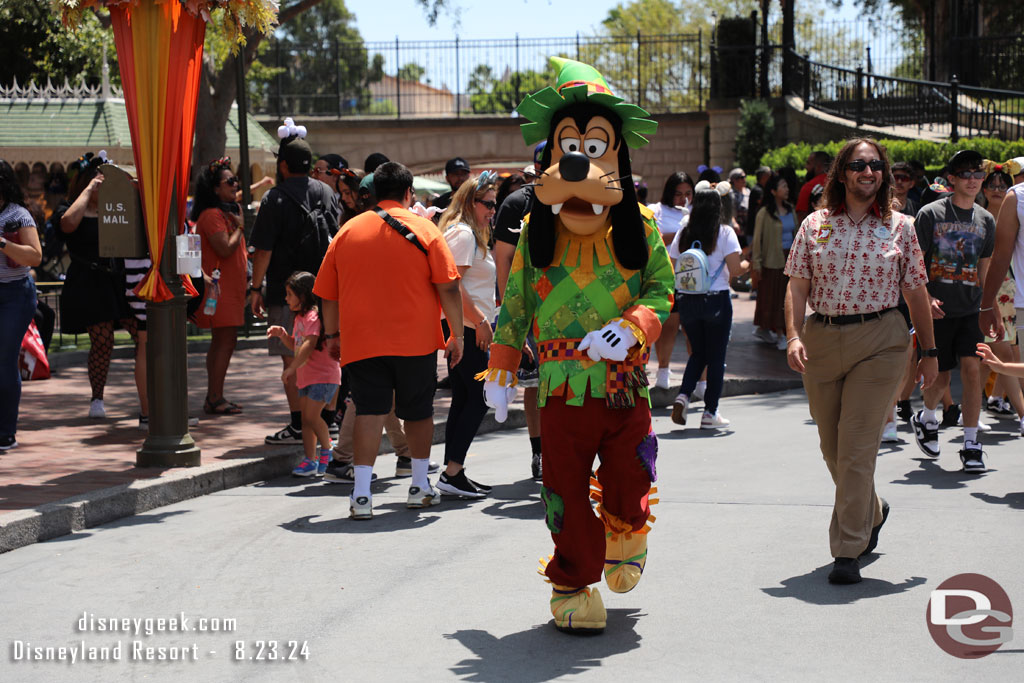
593, 278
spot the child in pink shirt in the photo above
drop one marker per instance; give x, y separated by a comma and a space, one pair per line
317, 375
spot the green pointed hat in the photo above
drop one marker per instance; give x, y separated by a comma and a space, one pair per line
579, 82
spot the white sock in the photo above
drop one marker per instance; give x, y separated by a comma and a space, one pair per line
702, 385
970, 435
363, 476
419, 473
929, 416
663, 372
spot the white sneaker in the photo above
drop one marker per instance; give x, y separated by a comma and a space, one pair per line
709, 421
419, 498
360, 508
889, 432
781, 344
767, 336
679, 411
698, 392
664, 378
96, 409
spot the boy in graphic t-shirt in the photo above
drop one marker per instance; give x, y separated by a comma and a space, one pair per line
956, 237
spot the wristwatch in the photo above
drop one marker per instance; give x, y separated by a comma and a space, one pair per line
930, 353
256, 289
332, 335
3, 243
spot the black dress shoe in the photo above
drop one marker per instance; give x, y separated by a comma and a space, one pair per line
845, 570
873, 543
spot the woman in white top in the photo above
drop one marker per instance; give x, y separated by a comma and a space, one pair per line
670, 213
707, 318
467, 229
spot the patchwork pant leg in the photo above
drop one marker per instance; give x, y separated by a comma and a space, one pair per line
628, 450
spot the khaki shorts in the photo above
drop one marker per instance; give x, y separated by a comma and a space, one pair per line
283, 316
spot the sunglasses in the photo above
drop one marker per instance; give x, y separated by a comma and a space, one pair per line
899, 178
858, 165
968, 175
997, 188
233, 180
490, 204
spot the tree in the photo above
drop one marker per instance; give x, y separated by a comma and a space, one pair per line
489, 94
411, 72
36, 47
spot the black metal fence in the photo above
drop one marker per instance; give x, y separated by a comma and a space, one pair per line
663, 73
947, 108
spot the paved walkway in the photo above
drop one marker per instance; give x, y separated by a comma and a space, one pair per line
63, 453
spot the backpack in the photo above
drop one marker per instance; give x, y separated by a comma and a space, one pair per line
692, 271
310, 243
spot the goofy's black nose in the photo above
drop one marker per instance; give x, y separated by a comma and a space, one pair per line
574, 167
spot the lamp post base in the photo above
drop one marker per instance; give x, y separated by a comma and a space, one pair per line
168, 451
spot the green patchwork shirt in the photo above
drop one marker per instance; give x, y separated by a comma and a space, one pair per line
583, 289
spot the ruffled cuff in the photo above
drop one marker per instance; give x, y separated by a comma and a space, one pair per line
641, 337
646, 320
502, 377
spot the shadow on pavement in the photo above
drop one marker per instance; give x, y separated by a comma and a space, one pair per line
542, 653
814, 588
1013, 500
930, 473
390, 517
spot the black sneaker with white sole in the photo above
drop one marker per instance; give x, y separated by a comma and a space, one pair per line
927, 438
973, 460
288, 435
8, 442
458, 485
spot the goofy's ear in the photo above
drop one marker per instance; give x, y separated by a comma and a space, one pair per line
541, 239
629, 238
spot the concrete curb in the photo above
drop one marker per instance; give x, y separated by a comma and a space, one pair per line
24, 527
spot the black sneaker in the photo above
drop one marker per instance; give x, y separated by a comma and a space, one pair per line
288, 435
903, 410
537, 467
403, 467
927, 438
483, 488
873, 541
333, 429
845, 570
458, 485
951, 415
8, 442
972, 459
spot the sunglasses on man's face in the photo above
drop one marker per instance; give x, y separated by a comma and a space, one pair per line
490, 204
858, 165
902, 178
968, 175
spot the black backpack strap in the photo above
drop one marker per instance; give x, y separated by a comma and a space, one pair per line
401, 228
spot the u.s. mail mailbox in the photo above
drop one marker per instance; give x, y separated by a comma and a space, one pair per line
121, 226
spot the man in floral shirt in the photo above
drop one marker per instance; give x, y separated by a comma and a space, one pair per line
849, 262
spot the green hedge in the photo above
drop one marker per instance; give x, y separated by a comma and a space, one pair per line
931, 154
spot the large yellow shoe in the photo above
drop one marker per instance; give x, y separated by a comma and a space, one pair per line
577, 610
624, 560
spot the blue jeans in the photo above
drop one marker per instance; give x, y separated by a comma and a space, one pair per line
17, 306
707, 320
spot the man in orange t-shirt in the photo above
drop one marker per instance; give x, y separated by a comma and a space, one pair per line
383, 292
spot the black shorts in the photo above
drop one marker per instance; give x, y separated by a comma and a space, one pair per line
956, 338
408, 382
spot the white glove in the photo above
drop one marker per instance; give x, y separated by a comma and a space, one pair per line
498, 397
425, 211
611, 342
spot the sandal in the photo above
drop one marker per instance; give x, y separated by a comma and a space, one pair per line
220, 407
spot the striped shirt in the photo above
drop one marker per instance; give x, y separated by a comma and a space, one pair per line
13, 217
135, 270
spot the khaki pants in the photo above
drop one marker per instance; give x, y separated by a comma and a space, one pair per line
852, 375
392, 425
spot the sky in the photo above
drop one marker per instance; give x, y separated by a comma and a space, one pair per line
385, 19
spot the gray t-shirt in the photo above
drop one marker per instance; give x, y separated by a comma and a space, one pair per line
953, 241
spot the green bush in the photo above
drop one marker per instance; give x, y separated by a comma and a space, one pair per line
756, 132
931, 154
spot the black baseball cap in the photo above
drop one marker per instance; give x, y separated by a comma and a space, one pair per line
455, 165
296, 153
963, 160
335, 162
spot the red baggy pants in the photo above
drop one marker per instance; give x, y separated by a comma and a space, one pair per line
571, 437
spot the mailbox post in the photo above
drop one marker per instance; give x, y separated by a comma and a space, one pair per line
122, 234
